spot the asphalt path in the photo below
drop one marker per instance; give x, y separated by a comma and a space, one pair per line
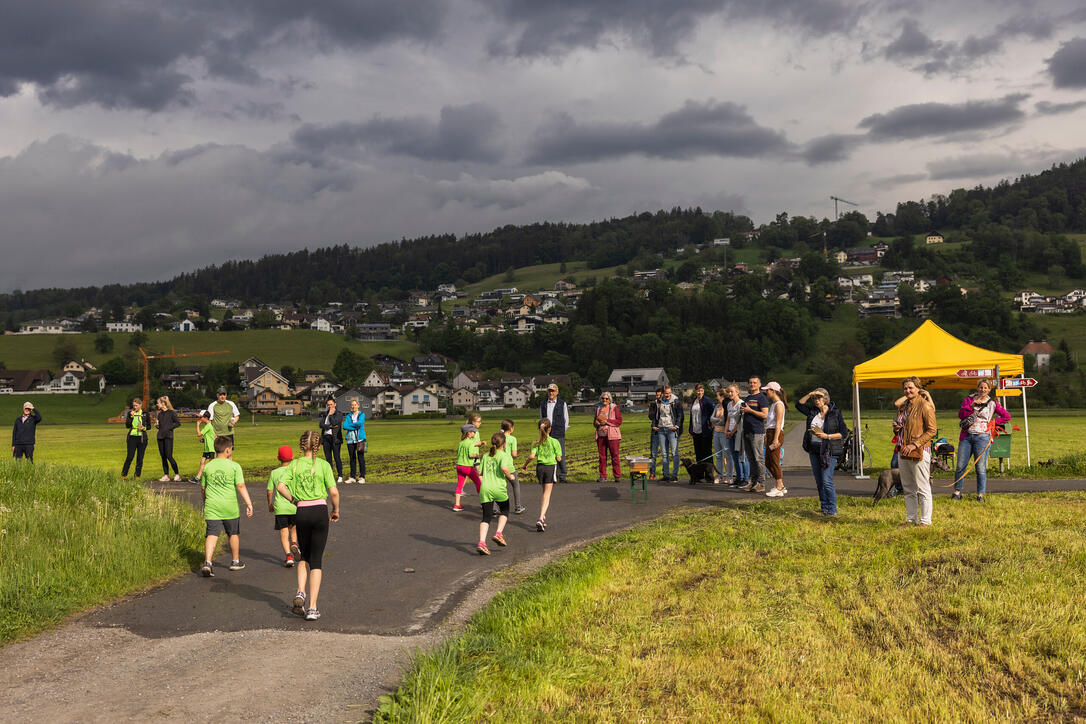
400, 559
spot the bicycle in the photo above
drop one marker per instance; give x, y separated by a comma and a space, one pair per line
847, 461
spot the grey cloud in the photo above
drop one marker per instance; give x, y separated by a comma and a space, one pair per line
831, 148
697, 129
891, 182
462, 133
979, 165
559, 26
1046, 108
911, 43
508, 193
921, 120
1067, 66
118, 54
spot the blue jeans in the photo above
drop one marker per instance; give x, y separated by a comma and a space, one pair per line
720, 452
668, 440
654, 450
973, 445
740, 466
827, 496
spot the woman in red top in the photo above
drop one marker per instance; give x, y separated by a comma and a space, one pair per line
607, 422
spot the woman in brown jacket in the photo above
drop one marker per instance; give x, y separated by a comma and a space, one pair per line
914, 452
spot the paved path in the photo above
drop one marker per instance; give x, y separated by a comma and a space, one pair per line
227, 647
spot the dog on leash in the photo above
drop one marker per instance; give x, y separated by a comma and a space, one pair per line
699, 472
891, 478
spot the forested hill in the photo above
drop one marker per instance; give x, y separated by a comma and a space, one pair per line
1053, 201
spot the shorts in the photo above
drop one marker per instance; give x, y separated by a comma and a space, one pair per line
231, 526
545, 474
283, 521
209, 456
491, 508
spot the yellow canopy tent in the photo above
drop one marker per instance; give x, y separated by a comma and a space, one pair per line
935, 356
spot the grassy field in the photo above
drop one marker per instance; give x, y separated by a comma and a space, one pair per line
305, 348
71, 538
766, 612
539, 277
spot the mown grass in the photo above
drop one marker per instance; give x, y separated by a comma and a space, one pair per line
539, 277
71, 538
767, 613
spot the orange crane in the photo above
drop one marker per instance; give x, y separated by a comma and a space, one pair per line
146, 362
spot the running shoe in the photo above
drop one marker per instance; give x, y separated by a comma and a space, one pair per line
164, 479
519, 509
481, 549
338, 480
499, 539
349, 481
957, 495
980, 498
177, 478
295, 550
205, 570
458, 508
361, 481
236, 565
541, 525
298, 607
289, 562
774, 493
312, 614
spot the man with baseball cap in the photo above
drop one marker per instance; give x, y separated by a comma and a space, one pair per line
22, 435
224, 415
556, 410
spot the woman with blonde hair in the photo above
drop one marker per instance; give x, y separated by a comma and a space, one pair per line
166, 422
547, 452
914, 450
310, 485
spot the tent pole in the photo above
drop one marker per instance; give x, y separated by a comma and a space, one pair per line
1025, 417
858, 439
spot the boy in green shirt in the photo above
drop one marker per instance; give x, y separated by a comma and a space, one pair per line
497, 468
206, 431
283, 509
511, 448
221, 482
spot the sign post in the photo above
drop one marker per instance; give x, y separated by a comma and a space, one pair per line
1022, 383
976, 373
1025, 418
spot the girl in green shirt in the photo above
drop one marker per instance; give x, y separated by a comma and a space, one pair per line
547, 452
498, 468
466, 455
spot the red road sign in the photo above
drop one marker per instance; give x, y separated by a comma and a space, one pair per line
977, 373
1017, 383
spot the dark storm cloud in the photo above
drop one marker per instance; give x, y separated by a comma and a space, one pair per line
921, 120
559, 26
979, 165
120, 54
696, 129
831, 148
1045, 108
1067, 66
462, 133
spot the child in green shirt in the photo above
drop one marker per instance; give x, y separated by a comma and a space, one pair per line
466, 454
221, 483
547, 452
283, 509
206, 432
511, 448
497, 467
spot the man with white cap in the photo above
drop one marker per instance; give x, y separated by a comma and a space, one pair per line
22, 434
555, 409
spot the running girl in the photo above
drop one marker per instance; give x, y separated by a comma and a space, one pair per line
310, 484
547, 452
498, 468
511, 448
466, 455
205, 430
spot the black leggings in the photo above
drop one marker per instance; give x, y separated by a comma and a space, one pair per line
495, 507
312, 522
331, 450
165, 451
357, 453
137, 445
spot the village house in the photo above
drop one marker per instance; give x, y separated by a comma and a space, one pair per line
638, 384
311, 376
539, 383
436, 387
185, 325
388, 399
417, 399
343, 398
124, 327
430, 365
468, 379
515, 397
933, 237
17, 381
463, 397
376, 378
1040, 351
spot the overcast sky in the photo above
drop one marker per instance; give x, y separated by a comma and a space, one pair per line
143, 138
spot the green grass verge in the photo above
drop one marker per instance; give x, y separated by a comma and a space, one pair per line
71, 538
766, 612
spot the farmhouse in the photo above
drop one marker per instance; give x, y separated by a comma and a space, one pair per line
636, 384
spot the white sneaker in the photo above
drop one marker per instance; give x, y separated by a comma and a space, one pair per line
164, 479
784, 492
348, 481
339, 479
361, 481
773, 493
177, 478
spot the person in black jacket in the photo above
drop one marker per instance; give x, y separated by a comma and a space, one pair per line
824, 443
332, 437
654, 441
22, 434
701, 424
166, 422
667, 421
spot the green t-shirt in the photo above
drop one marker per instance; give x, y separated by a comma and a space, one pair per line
137, 420
307, 481
547, 453
510, 444
220, 480
209, 437
282, 505
221, 415
494, 480
465, 452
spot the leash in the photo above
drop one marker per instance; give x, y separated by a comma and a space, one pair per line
965, 472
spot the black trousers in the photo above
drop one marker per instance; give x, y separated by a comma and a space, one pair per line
23, 451
703, 446
331, 450
137, 446
357, 453
312, 526
165, 451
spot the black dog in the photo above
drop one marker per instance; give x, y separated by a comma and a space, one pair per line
891, 478
699, 472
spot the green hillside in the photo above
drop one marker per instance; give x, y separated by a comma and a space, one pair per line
305, 348
538, 277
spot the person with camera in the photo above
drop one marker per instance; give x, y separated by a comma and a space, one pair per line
824, 443
24, 431
914, 450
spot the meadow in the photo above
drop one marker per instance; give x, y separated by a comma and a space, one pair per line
768, 612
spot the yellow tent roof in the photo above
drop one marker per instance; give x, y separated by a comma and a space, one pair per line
935, 356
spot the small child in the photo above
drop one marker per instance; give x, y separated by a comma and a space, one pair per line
466, 455
283, 509
548, 452
474, 418
221, 483
497, 468
207, 432
511, 448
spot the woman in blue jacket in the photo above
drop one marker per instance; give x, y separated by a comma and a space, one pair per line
354, 428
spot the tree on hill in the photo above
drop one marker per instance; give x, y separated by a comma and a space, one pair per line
103, 343
64, 352
351, 368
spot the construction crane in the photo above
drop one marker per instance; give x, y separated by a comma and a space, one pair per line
835, 199
146, 363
